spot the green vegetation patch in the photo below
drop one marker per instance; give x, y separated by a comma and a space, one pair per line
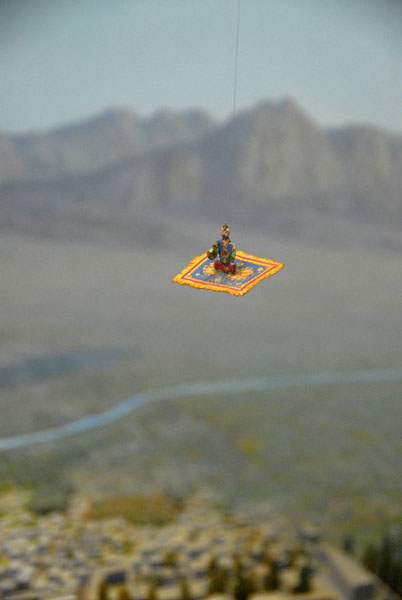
249, 446
154, 509
5, 486
50, 497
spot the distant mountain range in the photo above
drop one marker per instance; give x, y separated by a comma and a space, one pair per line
269, 164
92, 145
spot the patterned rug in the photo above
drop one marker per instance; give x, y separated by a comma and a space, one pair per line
201, 273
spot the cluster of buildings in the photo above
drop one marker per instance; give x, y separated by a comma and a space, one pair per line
203, 554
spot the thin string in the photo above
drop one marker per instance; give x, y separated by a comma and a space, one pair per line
226, 201
237, 57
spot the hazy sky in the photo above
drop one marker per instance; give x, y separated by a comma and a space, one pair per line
64, 60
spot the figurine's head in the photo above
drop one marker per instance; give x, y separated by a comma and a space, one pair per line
225, 231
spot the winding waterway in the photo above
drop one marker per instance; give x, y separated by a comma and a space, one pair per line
202, 388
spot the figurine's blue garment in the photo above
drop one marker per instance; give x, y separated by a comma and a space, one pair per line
225, 257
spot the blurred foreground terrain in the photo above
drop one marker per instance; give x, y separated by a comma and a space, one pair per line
199, 552
97, 218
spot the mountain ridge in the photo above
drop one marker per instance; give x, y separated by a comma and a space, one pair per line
89, 145
272, 163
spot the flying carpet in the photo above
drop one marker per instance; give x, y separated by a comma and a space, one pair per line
201, 273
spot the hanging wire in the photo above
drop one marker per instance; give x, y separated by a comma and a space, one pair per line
227, 201
236, 57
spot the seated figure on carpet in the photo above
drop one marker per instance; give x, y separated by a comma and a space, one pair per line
226, 251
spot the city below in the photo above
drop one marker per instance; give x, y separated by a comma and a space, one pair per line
203, 553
